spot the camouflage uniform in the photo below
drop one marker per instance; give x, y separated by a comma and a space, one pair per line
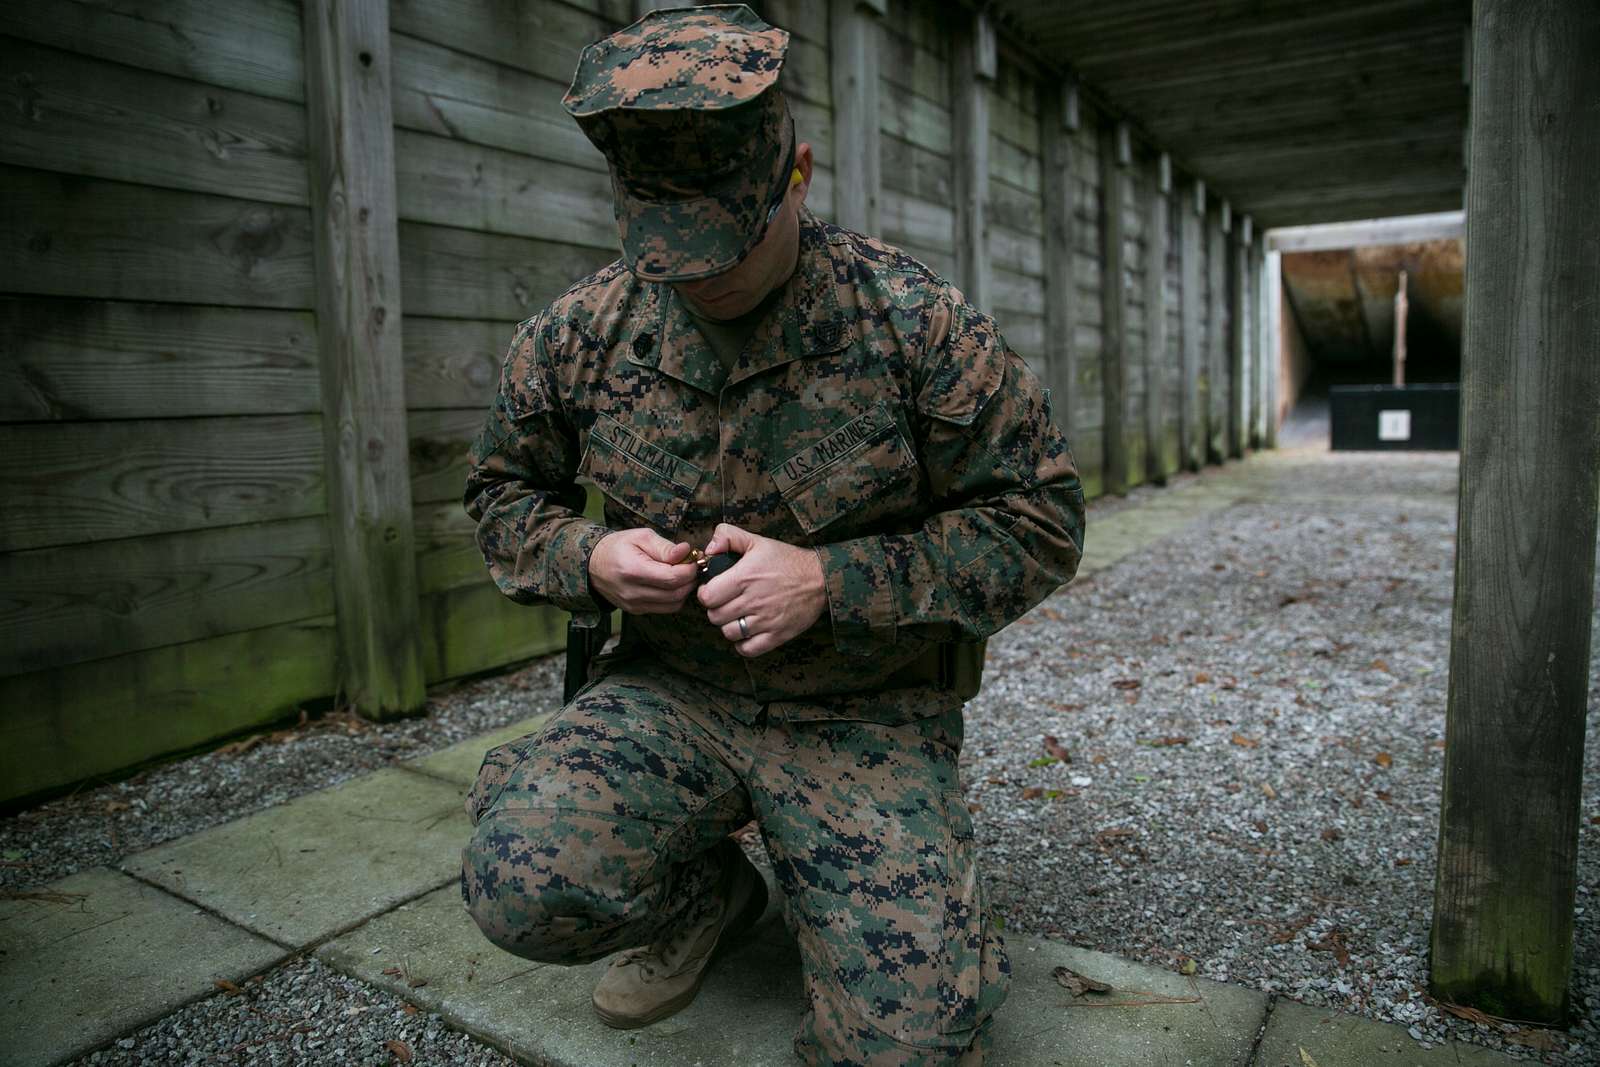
876, 417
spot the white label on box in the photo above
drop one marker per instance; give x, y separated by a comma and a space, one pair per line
1394, 425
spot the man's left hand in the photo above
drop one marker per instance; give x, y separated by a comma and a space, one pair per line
776, 588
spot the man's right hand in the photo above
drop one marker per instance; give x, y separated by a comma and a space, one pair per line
642, 572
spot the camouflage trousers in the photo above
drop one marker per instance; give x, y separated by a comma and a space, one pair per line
597, 834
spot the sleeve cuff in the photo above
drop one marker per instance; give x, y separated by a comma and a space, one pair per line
855, 576
567, 560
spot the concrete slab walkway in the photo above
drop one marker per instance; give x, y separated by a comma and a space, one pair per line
363, 876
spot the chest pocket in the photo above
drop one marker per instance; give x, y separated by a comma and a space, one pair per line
858, 474
637, 475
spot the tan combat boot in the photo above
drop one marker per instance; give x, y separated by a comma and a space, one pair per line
647, 984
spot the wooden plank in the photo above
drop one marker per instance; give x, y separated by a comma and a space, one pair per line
447, 548
916, 69
540, 37
64, 112
1014, 293
1238, 337
1059, 222
450, 183
804, 19
1114, 357
68, 483
1014, 208
1022, 253
1155, 329
96, 359
358, 319
452, 94
453, 363
814, 126
92, 720
1216, 355
69, 236
439, 441
856, 132
82, 602
1439, 226
1017, 167
250, 45
915, 118
912, 169
1273, 292
475, 628
1520, 648
453, 273
969, 160
805, 74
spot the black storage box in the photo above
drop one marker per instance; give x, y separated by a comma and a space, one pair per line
1395, 418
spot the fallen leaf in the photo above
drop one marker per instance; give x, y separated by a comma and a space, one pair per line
1272, 794
1383, 796
1331, 833
1079, 984
1166, 741
1228, 683
227, 987
1461, 1011
1202, 678
401, 1050
1379, 665
1543, 1040
1098, 757
411, 1009
393, 972
1383, 759
1044, 761
1033, 792
992, 780
1333, 943
1068, 707
1189, 966
974, 808
1126, 683
1305, 1058
1260, 825
1218, 567
1402, 861
1595, 819
1245, 742
1053, 745
1221, 722
1233, 787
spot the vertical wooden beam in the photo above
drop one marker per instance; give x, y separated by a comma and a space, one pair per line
854, 28
1056, 123
1260, 352
1272, 288
1155, 321
358, 334
1191, 251
1530, 461
973, 70
1113, 307
1239, 334
1218, 223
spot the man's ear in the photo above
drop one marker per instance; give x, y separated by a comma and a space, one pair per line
803, 163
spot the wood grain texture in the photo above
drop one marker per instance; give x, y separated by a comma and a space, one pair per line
1216, 355
1114, 359
856, 132
1238, 341
969, 160
453, 363
71, 360
915, 171
540, 37
75, 603
475, 628
68, 236
1059, 220
439, 441
250, 45
1154, 279
1274, 333
359, 322
88, 720
1520, 647
453, 273
69, 483
64, 112
452, 94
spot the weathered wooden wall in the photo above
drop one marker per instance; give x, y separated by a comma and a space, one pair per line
165, 552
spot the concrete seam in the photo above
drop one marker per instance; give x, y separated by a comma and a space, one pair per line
1261, 1031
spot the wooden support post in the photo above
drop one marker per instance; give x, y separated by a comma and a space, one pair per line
1272, 287
973, 70
1530, 459
1217, 336
1262, 351
1155, 321
1113, 308
1191, 252
1060, 225
1239, 334
854, 28
358, 335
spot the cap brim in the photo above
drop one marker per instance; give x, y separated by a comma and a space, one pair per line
706, 235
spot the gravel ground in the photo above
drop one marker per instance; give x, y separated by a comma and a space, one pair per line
1254, 714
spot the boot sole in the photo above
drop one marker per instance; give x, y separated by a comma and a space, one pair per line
754, 907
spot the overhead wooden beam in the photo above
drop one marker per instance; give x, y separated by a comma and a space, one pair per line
1058, 188
358, 333
1520, 642
1114, 356
1155, 319
854, 29
971, 73
1191, 254
1439, 226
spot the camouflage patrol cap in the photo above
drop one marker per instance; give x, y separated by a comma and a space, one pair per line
685, 107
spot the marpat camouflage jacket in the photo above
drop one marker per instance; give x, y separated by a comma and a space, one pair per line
874, 415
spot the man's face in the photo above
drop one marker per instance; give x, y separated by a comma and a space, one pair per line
768, 265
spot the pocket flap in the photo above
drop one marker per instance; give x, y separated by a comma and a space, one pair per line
640, 476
